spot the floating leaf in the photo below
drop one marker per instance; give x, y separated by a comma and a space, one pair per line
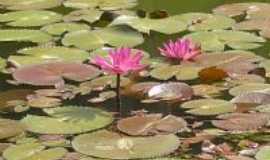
102, 4
216, 40
68, 120
38, 55
88, 15
212, 74
44, 102
2, 64
114, 36
263, 153
10, 128
30, 18
241, 121
246, 88
146, 25
105, 144
151, 124
207, 91
252, 98
24, 35
53, 73
171, 91
142, 87
208, 107
263, 108
49, 154
29, 4
60, 28
103, 96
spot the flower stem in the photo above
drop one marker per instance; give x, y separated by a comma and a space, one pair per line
118, 96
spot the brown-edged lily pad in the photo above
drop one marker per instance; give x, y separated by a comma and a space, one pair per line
151, 124
207, 91
142, 87
241, 121
103, 96
53, 73
249, 87
252, 98
43, 102
171, 91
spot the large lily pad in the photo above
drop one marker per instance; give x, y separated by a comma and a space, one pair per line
24, 35
263, 153
241, 121
252, 98
33, 151
101, 4
88, 15
68, 120
105, 144
38, 55
151, 124
207, 107
30, 18
246, 88
171, 91
48, 74
146, 25
10, 128
29, 4
114, 36
217, 40
60, 28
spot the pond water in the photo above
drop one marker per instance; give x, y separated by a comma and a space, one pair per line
205, 97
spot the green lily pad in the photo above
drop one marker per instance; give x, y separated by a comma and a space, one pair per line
246, 88
33, 151
266, 65
30, 18
102, 4
146, 25
216, 40
2, 64
10, 128
115, 36
24, 35
60, 28
105, 144
265, 108
29, 4
68, 120
37, 55
181, 72
207, 107
87, 15
263, 153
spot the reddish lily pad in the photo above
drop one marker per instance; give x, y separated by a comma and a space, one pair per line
252, 98
151, 124
241, 121
53, 73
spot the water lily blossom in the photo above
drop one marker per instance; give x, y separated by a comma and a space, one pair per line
183, 49
120, 61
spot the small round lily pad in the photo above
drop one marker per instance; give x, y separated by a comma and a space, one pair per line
208, 107
105, 144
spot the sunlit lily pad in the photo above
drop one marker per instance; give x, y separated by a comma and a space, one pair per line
87, 15
171, 91
33, 151
44, 102
217, 40
68, 120
151, 124
37, 55
10, 128
246, 88
263, 153
142, 87
24, 35
105, 144
103, 96
207, 91
114, 36
207, 107
29, 4
30, 18
60, 28
146, 25
241, 121
101, 4
48, 74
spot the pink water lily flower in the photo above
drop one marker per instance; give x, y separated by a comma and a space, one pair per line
183, 49
120, 61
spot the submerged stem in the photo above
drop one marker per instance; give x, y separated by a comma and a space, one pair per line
118, 96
